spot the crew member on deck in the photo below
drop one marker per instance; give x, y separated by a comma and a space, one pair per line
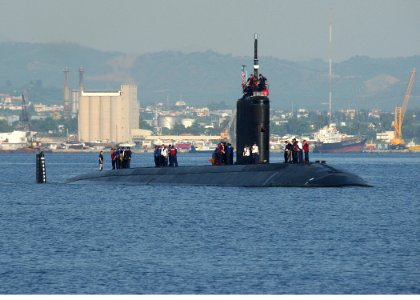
262, 82
255, 154
300, 152
247, 154
286, 151
101, 161
306, 151
113, 156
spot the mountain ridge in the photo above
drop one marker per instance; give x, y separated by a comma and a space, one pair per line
204, 77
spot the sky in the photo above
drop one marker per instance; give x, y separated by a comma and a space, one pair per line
287, 29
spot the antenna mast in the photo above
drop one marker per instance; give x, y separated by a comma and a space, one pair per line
67, 112
256, 65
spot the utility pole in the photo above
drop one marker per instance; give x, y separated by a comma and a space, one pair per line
330, 74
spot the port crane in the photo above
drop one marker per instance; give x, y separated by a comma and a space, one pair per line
24, 123
225, 134
398, 142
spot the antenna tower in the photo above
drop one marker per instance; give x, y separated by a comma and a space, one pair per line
24, 123
67, 111
330, 73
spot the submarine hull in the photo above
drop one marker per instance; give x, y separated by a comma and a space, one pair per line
259, 175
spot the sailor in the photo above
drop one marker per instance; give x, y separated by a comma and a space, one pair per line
289, 151
255, 154
286, 151
222, 148
219, 154
129, 153
248, 86
164, 156
121, 158
156, 155
101, 161
251, 84
254, 83
169, 155
246, 154
300, 152
214, 157
295, 150
229, 152
306, 151
173, 156
117, 158
113, 158
262, 82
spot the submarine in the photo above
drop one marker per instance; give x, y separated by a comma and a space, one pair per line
252, 127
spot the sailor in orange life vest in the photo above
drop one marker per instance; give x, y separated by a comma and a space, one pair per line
306, 151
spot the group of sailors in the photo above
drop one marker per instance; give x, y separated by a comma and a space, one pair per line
121, 157
222, 155
165, 156
254, 84
251, 154
296, 152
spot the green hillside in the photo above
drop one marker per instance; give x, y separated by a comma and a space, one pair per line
205, 77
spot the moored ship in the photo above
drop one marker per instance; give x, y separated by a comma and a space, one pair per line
330, 140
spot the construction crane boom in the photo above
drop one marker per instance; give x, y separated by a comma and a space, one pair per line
398, 140
225, 134
24, 123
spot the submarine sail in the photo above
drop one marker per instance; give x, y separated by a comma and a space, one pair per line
253, 116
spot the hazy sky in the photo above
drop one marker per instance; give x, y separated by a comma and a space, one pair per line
289, 29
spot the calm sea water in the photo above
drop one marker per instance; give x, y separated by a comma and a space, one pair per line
115, 239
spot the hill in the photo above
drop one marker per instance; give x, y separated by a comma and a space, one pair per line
206, 77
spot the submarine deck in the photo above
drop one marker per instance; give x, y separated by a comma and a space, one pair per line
258, 175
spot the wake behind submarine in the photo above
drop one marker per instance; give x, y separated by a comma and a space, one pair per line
252, 127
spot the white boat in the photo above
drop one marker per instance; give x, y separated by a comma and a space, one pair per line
127, 145
204, 147
18, 140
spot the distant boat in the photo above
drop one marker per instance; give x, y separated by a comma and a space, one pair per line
127, 145
412, 147
75, 145
330, 140
203, 148
183, 146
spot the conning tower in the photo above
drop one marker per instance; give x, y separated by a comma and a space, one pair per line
253, 117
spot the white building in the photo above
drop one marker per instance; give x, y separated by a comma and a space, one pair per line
108, 116
386, 136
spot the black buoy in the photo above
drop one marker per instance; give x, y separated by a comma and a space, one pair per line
253, 119
41, 172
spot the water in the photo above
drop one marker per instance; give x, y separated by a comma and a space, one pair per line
116, 239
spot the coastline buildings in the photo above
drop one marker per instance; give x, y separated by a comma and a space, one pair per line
108, 116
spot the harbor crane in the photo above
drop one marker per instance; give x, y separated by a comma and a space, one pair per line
24, 123
398, 142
